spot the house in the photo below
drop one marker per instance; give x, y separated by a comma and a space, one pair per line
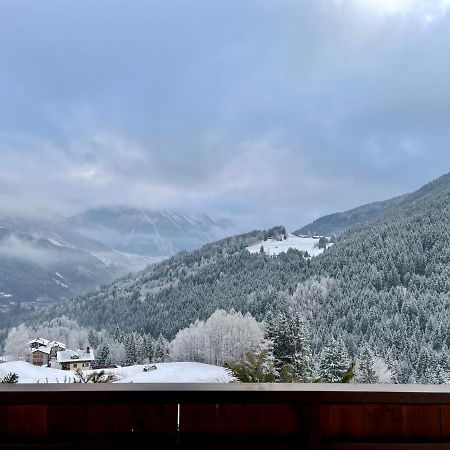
76, 360
43, 351
41, 356
39, 342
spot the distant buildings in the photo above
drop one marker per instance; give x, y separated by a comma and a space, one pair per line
43, 351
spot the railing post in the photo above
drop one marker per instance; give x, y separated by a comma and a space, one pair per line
314, 436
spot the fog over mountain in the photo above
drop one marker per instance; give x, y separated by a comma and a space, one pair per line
149, 232
42, 259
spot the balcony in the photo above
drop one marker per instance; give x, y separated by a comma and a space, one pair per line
224, 416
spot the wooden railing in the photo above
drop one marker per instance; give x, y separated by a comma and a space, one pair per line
231, 416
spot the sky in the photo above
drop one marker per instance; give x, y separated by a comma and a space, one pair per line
264, 111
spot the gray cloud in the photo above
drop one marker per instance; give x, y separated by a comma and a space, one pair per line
270, 112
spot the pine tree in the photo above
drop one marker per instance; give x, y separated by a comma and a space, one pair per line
335, 362
161, 349
130, 348
394, 368
291, 344
94, 341
366, 370
104, 355
148, 348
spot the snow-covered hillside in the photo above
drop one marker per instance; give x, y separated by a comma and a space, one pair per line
177, 372
275, 247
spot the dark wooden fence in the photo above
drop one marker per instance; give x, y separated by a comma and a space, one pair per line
231, 416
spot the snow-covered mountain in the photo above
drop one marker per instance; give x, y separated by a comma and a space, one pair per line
43, 259
148, 232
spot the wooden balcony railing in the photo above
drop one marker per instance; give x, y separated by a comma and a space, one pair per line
228, 416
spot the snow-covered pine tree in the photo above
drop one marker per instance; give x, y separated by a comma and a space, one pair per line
93, 339
103, 355
130, 348
335, 361
291, 344
161, 349
394, 368
366, 370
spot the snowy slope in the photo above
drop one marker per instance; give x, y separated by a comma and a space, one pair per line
274, 247
35, 374
179, 372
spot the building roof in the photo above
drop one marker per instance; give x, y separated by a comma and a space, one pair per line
71, 356
40, 341
45, 350
56, 344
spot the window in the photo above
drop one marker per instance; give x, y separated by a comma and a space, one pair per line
75, 365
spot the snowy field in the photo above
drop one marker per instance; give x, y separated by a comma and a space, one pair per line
178, 372
273, 247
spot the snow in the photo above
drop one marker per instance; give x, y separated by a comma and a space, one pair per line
177, 372
56, 243
59, 275
59, 283
302, 243
28, 373
3, 295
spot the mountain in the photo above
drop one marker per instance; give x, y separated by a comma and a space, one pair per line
43, 259
385, 286
146, 232
337, 223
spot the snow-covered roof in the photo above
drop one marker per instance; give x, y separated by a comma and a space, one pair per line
40, 341
74, 356
46, 350
56, 344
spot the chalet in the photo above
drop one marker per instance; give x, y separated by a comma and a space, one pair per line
39, 342
41, 356
76, 360
42, 351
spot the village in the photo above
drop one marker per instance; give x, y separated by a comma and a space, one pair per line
44, 352
49, 361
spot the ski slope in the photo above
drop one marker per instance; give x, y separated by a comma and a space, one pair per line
274, 247
176, 372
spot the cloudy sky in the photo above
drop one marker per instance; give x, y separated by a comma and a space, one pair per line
269, 111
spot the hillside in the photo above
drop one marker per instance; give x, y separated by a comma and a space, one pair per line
338, 223
385, 285
148, 232
42, 259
